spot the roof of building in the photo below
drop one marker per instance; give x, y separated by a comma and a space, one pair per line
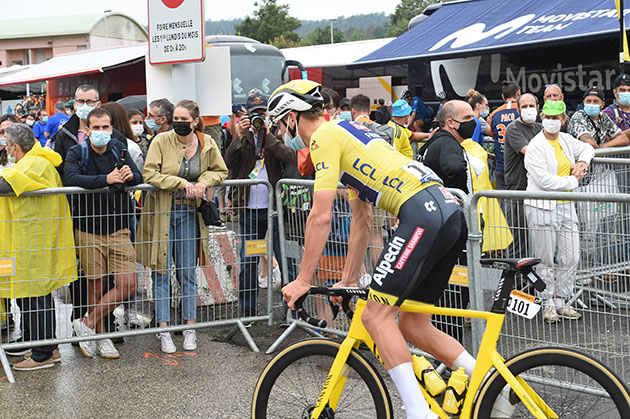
334, 55
36, 27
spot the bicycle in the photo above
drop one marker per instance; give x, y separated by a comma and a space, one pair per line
320, 378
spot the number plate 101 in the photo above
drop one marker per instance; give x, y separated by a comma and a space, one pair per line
523, 304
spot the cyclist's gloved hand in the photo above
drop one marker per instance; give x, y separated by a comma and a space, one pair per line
295, 290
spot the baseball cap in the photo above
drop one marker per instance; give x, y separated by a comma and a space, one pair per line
256, 101
594, 91
401, 108
554, 107
344, 102
69, 104
622, 80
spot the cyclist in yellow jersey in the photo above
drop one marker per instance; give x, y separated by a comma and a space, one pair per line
419, 257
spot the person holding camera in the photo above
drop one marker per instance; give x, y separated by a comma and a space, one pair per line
256, 153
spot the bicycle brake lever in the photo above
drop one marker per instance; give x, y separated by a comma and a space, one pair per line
301, 312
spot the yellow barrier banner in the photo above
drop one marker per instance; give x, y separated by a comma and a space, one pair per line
255, 247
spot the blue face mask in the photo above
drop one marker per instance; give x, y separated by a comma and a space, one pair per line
592, 110
100, 138
347, 115
295, 143
44, 119
3, 141
83, 111
624, 98
152, 125
484, 113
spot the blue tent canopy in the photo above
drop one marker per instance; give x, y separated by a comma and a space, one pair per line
483, 26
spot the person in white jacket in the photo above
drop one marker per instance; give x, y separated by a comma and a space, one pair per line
555, 161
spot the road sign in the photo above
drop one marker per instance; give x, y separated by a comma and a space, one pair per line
176, 31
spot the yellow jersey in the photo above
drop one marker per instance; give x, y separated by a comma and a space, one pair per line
373, 171
401, 139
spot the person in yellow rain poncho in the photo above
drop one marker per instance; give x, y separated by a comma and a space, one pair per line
496, 232
35, 231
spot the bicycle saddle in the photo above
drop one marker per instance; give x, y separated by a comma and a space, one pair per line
514, 264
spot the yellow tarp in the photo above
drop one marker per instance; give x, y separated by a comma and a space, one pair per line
496, 232
36, 230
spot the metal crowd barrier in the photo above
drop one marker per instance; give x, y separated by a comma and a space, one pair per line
70, 276
296, 196
594, 258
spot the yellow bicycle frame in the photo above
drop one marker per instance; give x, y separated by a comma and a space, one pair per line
488, 357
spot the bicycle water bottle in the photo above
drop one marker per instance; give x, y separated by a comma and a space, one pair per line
454, 396
429, 378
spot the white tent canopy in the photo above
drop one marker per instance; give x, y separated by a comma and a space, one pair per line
334, 55
74, 64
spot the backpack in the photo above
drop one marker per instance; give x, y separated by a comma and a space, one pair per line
226, 139
385, 131
85, 155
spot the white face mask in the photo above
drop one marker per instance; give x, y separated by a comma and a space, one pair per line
137, 129
552, 126
528, 115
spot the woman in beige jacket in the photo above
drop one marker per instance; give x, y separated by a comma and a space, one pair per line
182, 163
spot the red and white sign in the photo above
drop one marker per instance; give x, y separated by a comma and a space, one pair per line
176, 31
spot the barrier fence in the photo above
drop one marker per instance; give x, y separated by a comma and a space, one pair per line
153, 267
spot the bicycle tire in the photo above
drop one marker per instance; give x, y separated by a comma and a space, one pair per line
277, 394
544, 368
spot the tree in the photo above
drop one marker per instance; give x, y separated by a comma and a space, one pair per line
270, 21
282, 42
321, 36
405, 11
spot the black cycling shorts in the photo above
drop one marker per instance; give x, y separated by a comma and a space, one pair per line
417, 262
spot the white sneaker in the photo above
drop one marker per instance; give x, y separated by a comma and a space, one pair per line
262, 282
277, 278
168, 347
503, 408
190, 340
550, 315
568, 312
80, 329
106, 349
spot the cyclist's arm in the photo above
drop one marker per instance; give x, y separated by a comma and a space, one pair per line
360, 233
317, 231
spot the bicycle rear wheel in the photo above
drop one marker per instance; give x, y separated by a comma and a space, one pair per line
573, 384
292, 382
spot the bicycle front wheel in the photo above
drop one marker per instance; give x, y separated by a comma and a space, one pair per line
292, 382
571, 383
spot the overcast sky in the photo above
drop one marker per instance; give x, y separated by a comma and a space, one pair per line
214, 9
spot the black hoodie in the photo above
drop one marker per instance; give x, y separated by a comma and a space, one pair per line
446, 157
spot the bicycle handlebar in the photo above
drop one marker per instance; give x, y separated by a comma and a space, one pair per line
345, 293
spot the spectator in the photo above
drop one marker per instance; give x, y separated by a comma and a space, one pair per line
421, 115
517, 137
382, 114
5, 122
102, 229
68, 108
56, 121
479, 104
331, 103
555, 161
136, 122
403, 135
39, 129
619, 110
160, 116
30, 119
499, 120
43, 249
120, 122
344, 109
553, 92
592, 126
443, 153
183, 163
257, 154
75, 130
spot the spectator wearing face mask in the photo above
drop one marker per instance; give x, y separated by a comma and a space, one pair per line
344, 109
39, 128
619, 110
517, 137
138, 129
5, 122
159, 116
594, 127
479, 104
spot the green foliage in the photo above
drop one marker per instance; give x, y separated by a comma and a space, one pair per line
270, 21
282, 42
405, 11
321, 36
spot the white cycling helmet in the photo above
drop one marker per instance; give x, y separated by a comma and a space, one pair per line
296, 95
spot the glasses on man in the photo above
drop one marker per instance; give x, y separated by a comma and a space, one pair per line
86, 102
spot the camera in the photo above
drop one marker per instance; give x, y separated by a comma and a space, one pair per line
257, 120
